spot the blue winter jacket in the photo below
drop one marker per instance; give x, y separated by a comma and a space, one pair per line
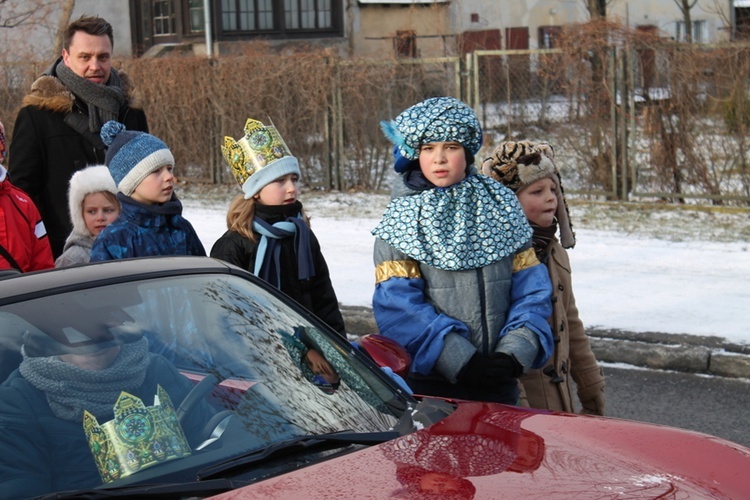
147, 230
442, 317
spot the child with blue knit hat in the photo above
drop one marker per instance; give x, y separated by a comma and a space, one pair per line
457, 281
151, 221
268, 232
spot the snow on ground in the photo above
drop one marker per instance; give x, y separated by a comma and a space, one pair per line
641, 269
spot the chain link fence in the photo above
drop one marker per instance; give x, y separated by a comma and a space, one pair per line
640, 119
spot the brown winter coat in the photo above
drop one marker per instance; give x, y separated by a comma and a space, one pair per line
550, 387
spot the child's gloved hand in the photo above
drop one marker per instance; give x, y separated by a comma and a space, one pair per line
487, 372
593, 406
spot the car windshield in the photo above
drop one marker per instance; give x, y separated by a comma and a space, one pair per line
246, 353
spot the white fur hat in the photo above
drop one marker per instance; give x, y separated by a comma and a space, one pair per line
94, 179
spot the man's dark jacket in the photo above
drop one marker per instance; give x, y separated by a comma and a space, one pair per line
45, 151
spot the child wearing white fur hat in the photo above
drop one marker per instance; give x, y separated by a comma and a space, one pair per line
529, 170
93, 205
151, 221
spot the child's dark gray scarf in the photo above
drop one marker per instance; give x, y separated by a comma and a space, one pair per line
70, 389
267, 259
542, 238
104, 101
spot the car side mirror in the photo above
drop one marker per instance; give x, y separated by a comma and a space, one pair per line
387, 352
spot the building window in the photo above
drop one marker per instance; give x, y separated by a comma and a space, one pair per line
164, 18
406, 44
195, 13
247, 15
549, 36
280, 16
700, 34
308, 14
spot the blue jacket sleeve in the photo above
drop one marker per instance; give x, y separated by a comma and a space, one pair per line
531, 306
403, 314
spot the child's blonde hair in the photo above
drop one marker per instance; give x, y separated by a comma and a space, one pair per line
241, 215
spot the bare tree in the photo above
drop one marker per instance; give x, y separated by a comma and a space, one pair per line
597, 9
33, 28
15, 13
685, 7
11, 17
67, 11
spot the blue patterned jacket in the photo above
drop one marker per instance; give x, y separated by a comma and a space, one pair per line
147, 230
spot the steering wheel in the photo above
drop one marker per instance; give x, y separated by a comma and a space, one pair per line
196, 395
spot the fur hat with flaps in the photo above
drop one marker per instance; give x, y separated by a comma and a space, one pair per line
132, 156
94, 179
259, 157
438, 119
518, 164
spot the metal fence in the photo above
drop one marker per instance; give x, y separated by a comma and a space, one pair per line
632, 122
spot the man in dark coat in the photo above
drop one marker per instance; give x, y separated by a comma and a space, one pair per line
57, 131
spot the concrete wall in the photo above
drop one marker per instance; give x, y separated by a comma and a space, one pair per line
372, 36
117, 12
665, 14
502, 15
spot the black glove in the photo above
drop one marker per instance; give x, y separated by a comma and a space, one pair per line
489, 371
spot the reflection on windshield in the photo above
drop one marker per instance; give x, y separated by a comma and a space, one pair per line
225, 326
228, 327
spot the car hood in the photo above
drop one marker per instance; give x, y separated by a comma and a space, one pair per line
483, 449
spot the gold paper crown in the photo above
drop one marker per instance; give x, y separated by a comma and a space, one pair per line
260, 146
138, 437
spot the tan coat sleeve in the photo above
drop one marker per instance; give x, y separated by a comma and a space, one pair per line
550, 387
584, 369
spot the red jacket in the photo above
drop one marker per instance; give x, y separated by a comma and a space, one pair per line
22, 232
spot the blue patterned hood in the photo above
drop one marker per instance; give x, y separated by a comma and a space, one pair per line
468, 225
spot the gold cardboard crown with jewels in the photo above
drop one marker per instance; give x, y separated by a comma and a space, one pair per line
138, 437
260, 146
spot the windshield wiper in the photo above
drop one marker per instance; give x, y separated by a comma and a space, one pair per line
208, 484
347, 437
170, 490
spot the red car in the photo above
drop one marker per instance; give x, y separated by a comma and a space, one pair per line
255, 398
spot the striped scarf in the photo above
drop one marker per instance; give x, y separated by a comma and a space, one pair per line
267, 260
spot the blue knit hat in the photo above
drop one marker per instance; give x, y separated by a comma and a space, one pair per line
132, 156
439, 119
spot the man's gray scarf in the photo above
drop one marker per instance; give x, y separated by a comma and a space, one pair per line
70, 389
104, 101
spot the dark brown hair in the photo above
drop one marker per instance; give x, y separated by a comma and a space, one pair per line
90, 25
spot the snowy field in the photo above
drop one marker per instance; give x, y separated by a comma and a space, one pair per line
638, 269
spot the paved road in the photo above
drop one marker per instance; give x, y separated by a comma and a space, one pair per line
713, 405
